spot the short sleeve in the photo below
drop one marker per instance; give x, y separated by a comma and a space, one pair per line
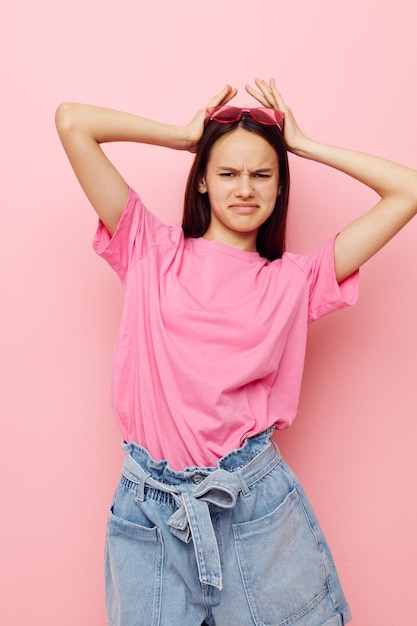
138, 230
326, 295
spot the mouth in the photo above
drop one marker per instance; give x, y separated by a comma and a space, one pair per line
244, 208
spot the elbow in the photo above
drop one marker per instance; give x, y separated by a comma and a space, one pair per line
412, 200
65, 118
413, 191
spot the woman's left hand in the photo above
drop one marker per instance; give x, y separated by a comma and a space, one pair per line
396, 184
269, 96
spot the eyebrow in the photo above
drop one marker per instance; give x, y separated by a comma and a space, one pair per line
257, 171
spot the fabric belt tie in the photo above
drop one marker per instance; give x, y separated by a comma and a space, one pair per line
192, 519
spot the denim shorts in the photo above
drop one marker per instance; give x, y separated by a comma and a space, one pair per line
233, 545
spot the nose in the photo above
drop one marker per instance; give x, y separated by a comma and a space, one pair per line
244, 187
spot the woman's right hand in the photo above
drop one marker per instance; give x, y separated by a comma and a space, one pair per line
195, 128
83, 128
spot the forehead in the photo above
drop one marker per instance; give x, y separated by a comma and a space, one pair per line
241, 146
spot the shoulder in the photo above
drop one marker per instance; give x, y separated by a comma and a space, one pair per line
325, 293
137, 233
320, 257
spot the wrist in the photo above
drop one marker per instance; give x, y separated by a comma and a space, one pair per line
303, 147
183, 139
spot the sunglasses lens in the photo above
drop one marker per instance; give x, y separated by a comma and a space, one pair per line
268, 117
227, 115
264, 116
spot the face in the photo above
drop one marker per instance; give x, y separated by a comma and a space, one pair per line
242, 183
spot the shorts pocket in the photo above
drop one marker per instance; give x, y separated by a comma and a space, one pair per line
283, 570
134, 560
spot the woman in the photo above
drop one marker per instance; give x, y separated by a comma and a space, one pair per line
208, 522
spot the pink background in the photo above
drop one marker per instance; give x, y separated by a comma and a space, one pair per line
348, 71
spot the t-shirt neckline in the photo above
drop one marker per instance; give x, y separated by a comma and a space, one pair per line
226, 249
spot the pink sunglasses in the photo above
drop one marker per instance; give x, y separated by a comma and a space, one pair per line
228, 115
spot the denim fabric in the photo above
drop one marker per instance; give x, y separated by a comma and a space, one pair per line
233, 544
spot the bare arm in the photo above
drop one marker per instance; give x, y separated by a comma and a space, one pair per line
82, 128
395, 184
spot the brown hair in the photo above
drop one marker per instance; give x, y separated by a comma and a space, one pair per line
270, 242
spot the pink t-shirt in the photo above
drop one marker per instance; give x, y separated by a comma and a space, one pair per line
212, 339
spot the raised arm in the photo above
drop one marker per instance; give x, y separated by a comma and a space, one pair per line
82, 128
395, 184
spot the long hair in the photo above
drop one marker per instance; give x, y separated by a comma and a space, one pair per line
270, 242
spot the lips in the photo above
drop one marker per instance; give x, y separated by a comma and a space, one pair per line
244, 208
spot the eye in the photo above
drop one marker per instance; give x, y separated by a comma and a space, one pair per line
227, 174
261, 175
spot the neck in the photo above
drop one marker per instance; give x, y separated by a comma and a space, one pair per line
241, 241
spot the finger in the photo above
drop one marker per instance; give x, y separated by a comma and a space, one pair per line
267, 92
277, 95
226, 94
258, 96
265, 95
229, 96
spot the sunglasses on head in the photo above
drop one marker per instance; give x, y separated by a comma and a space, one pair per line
225, 114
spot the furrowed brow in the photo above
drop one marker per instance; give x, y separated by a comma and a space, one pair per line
260, 170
